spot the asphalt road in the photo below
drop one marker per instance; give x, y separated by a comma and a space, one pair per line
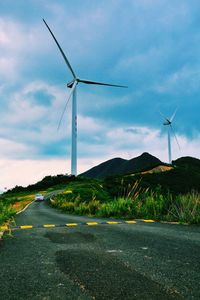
137, 261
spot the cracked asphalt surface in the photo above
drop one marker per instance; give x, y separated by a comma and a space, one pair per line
137, 261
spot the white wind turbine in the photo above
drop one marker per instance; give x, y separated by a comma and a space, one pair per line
168, 122
73, 84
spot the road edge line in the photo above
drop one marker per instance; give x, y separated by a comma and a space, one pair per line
3, 231
19, 212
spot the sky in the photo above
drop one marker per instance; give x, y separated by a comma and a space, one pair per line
152, 46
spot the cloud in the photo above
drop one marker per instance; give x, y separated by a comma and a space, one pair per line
10, 149
127, 143
150, 45
31, 171
185, 80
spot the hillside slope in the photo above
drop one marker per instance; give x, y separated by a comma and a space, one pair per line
184, 177
119, 166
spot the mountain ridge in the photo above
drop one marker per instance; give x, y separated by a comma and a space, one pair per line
120, 166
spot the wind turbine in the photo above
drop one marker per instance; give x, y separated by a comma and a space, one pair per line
73, 85
168, 122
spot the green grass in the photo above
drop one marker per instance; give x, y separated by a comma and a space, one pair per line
116, 198
12, 202
88, 197
185, 208
6, 212
84, 196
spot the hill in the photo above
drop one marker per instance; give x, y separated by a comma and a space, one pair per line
46, 183
183, 178
119, 166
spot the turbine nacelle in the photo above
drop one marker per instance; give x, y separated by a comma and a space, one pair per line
70, 84
168, 122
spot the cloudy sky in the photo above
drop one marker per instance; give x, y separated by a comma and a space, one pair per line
152, 46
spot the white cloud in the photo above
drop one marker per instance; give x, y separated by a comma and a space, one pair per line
131, 142
9, 149
20, 44
114, 142
88, 125
7, 68
185, 80
29, 119
25, 172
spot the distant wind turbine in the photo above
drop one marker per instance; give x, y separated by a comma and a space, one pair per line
73, 84
168, 122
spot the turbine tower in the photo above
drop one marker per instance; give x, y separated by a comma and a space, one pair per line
168, 122
73, 85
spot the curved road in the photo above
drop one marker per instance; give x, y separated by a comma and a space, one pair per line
136, 261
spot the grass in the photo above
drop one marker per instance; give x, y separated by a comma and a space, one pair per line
82, 197
6, 212
185, 208
93, 197
90, 198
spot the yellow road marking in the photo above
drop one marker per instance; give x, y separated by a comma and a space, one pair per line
148, 221
49, 225
4, 227
112, 222
91, 223
131, 222
26, 226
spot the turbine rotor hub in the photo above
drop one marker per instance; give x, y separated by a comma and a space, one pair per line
70, 84
168, 122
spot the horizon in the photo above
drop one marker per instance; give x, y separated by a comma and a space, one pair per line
6, 189
152, 47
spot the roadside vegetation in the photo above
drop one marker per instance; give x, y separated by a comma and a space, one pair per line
90, 197
129, 196
16, 199
11, 203
6, 212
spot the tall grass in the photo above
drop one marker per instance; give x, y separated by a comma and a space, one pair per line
185, 208
132, 202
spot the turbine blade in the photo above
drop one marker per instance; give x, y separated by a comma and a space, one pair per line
63, 54
65, 107
172, 117
100, 83
163, 116
172, 129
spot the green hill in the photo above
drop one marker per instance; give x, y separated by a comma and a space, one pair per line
119, 166
181, 179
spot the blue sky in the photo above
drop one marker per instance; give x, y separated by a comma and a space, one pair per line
153, 46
